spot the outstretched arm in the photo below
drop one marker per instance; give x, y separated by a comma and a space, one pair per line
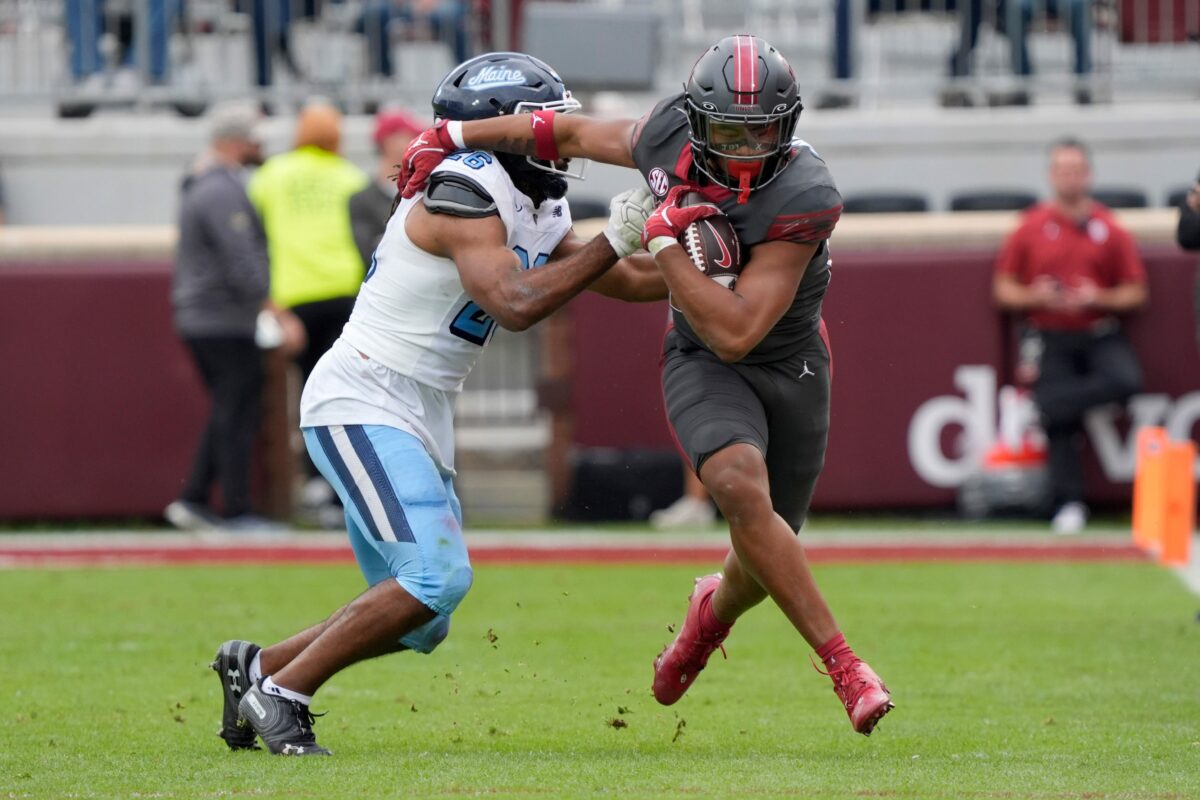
542, 134
492, 274
574, 135
634, 279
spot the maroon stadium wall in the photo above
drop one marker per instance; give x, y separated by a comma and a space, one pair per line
100, 405
918, 353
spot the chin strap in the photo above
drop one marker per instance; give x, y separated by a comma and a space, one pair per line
744, 174
744, 189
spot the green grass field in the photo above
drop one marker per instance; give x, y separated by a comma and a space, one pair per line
1011, 681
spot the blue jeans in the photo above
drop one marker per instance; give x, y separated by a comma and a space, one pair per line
1078, 13
844, 27
448, 20
843, 31
271, 19
85, 24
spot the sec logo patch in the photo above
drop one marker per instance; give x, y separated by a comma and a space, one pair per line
658, 182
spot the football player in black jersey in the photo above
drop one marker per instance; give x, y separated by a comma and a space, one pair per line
746, 372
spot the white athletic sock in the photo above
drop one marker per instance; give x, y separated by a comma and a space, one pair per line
270, 687
256, 668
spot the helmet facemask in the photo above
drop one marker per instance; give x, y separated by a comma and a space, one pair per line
741, 152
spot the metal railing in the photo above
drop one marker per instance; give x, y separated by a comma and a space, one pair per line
145, 54
190, 53
880, 52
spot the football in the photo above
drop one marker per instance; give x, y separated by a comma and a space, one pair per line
712, 245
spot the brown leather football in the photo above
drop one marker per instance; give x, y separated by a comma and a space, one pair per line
712, 245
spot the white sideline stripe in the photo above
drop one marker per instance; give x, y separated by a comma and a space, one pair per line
1190, 575
480, 538
362, 479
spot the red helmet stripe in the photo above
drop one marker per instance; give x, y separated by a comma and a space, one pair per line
753, 58
745, 72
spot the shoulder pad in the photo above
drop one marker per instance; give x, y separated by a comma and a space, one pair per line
459, 196
659, 135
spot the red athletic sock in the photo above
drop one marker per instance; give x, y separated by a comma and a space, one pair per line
835, 652
709, 623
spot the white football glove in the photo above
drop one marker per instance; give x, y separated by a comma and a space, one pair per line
626, 219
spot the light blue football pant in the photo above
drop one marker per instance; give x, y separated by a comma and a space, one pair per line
402, 515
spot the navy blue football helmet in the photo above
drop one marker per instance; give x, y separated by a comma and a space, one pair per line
498, 84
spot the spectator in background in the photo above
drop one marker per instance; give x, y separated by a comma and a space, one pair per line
1188, 235
271, 20
371, 207
1070, 269
303, 198
847, 24
220, 286
693, 508
446, 19
88, 20
1074, 14
842, 54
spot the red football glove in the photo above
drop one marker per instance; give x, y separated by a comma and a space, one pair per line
671, 220
423, 154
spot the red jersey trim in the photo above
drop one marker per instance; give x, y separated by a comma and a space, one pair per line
683, 171
814, 226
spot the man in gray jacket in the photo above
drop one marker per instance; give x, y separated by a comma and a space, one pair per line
220, 285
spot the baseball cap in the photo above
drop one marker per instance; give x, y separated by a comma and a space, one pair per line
392, 122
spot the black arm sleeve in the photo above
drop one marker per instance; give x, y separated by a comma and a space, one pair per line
1188, 232
459, 196
365, 225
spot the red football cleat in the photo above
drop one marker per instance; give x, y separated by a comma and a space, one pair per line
862, 693
679, 664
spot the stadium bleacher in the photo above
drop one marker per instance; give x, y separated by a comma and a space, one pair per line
898, 49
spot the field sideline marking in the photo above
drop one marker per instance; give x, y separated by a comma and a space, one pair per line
1190, 574
129, 549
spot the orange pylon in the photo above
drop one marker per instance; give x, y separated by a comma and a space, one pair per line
1164, 496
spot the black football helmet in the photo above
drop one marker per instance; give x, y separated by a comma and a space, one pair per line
742, 105
496, 84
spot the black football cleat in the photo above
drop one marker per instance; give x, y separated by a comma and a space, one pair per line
232, 666
284, 725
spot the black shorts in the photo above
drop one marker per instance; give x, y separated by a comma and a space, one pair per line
782, 408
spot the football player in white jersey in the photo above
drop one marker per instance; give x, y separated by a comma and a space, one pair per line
488, 243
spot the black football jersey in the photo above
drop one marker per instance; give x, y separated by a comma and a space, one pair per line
801, 205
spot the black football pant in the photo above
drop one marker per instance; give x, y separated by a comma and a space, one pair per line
233, 373
323, 322
781, 407
1079, 371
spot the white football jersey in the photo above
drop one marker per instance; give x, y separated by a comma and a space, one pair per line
414, 329
412, 313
